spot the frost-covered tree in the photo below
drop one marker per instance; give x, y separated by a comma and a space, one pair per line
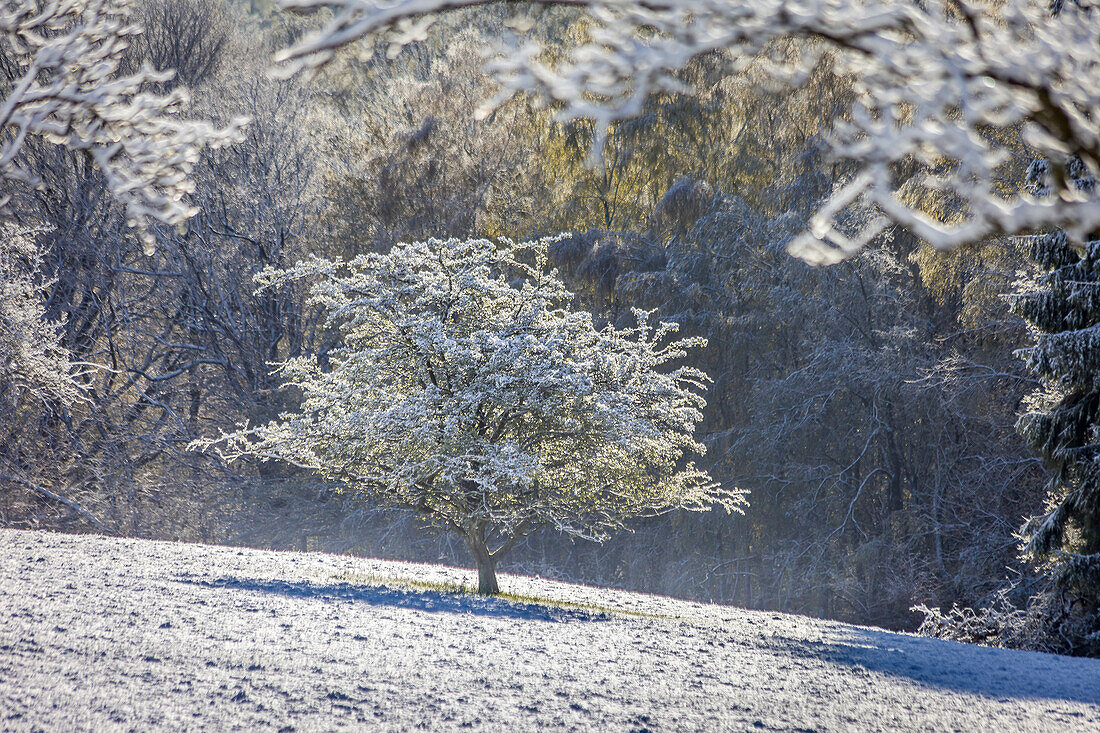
61, 82
424, 167
943, 90
32, 361
186, 342
1063, 423
468, 391
85, 119
36, 371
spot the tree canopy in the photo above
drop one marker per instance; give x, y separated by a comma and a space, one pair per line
1063, 422
947, 86
61, 67
468, 391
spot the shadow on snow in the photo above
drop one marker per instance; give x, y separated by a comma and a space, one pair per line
417, 600
999, 674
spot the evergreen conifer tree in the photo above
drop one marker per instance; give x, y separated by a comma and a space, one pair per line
1063, 425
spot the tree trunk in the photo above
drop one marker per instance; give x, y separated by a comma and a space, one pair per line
487, 578
486, 569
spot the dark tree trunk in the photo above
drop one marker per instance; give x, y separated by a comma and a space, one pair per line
487, 577
477, 540
486, 569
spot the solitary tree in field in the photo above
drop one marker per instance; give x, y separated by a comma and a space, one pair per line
469, 391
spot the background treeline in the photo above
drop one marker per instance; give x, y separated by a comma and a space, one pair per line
869, 406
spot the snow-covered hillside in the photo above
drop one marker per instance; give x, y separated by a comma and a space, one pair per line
109, 634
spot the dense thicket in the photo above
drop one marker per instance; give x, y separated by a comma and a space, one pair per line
170, 339
868, 407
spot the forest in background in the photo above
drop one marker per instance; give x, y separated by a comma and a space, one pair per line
869, 406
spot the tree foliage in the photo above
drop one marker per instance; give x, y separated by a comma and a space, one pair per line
937, 82
62, 83
1062, 424
165, 341
424, 167
468, 391
33, 363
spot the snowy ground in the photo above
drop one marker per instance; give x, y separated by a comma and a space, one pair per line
110, 634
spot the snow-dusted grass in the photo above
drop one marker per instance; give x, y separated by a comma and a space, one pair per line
109, 634
462, 588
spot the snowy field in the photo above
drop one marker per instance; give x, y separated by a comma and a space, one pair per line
109, 634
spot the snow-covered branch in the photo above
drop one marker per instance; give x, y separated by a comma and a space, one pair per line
64, 85
468, 390
33, 362
960, 91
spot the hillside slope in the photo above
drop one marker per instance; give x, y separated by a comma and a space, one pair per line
109, 634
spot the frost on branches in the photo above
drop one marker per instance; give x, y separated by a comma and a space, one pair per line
944, 84
36, 370
468, 391
62, 59
33, 363
1063, 426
